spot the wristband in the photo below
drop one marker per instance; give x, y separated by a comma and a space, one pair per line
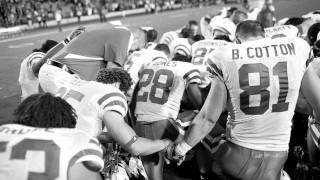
182, 148
132, 140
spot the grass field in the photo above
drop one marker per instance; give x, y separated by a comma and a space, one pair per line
13, 51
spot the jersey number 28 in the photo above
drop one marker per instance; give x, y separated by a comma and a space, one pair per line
157, 85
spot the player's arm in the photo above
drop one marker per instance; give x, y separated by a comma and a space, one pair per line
310, 86
209, 113
193, 80
127, 138
194, 94
37, 65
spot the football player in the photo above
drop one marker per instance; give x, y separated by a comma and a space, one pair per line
28, 81
259, 80
43, 144
97, 103
199, 50
138, 58
181, 46
159, 93
168, 37
109, 46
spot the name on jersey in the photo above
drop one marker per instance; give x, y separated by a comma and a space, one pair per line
277, 29
10, 130
265, 51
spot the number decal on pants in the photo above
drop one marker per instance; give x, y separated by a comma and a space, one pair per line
159, 91
280, 70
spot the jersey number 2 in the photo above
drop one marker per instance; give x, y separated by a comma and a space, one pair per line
156, 86
280, 70
51, 152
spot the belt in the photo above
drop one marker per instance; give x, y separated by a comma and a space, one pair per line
60, 65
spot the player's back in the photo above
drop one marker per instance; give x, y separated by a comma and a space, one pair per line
38, 153
138, 58
161, 88
180, 46
199, 50
90, 100
168, 37
282, 31
263, 79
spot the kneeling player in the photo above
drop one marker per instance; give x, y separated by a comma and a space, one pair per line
43, 144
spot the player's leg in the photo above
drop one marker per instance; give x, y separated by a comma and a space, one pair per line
243, 163
162, 129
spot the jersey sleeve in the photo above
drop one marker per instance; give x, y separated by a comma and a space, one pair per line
192, 75
214, 66
114, 101
91, 153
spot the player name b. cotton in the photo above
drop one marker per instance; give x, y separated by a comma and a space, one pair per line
265, 51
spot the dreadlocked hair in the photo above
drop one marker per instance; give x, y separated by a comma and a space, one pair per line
45, 111
115, 75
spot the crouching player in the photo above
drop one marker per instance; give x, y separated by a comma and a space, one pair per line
43, 144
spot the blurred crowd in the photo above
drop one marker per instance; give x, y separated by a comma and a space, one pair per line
38, 12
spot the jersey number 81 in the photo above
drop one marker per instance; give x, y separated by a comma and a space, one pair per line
280, 70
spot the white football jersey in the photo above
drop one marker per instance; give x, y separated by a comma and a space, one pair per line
181, 46
91, 99
161, 88
168, 37
199, 50
28, 81
138, 58
38, 153
263, 78
281, 31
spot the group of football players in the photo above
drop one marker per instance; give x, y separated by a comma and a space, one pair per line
226, 92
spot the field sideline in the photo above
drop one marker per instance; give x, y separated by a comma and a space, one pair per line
12, 51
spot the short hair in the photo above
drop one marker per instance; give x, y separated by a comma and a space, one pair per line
295, 21
198, 37
223, 38
186, 32
313, 33
316, 49
249, 28
181, 58
193, 22
115, 75
152, 35
236, 16
265, 17
46, 46
45, 111
139, 38
162, 47
231, 11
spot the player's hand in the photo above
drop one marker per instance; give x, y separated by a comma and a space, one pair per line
76, 32
173, 155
